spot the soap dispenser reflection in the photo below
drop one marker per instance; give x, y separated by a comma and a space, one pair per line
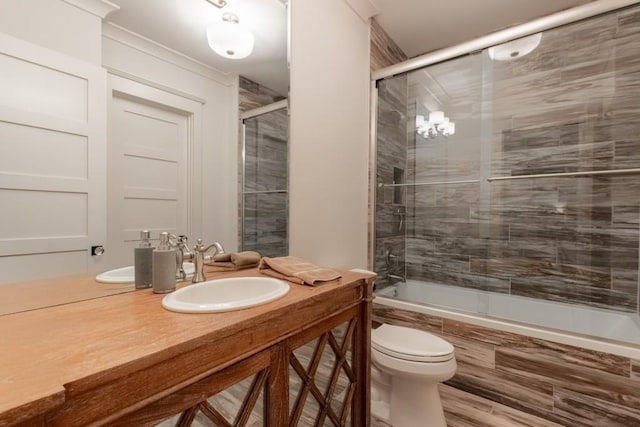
164, 266
142, 259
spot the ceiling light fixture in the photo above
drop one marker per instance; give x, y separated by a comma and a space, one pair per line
218, 3
230, 39
515, 49
436, 124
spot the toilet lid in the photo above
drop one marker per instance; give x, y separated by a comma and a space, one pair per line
410, 344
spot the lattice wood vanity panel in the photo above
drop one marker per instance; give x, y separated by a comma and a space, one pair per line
322, 379
321, 388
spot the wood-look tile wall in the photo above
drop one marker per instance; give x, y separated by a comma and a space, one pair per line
569, 106
253, 95
268, 230
384, 51
516, 380
266, 215
572, 241
391, 153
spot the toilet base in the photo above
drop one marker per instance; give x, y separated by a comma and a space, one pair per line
380, 393
415, 404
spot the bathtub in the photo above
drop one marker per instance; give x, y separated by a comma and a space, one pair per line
581, 326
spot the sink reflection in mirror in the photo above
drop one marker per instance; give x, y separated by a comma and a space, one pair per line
225, 295
127, 274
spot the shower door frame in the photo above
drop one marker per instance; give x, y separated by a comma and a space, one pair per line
541, 24
266, 109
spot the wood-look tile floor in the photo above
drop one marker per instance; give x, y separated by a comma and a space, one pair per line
467, 410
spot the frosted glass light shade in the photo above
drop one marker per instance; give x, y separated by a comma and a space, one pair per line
436, 117
230, 39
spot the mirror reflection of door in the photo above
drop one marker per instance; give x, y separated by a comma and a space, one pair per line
148, 173
51, 158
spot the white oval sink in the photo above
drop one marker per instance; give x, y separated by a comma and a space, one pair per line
225, 295
127, 274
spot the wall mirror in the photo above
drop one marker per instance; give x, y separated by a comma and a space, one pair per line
148, 108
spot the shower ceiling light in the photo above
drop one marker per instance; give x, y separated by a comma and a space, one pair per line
515, 48
436, 124
230, 39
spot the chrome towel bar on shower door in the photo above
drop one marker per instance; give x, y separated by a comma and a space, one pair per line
511, 177
381, 185
566, 174
265, 192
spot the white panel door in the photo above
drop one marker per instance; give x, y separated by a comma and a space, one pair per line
52, 162
148, 174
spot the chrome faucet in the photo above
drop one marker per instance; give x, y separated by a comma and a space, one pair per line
182, 254
199, 252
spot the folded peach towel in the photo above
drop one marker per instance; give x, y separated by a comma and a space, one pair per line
236, 261
296, 270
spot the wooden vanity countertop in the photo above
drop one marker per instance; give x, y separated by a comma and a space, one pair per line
50, 352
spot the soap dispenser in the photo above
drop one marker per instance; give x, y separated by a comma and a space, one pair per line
142, 258
164, 266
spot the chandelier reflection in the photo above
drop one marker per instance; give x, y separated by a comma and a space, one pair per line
437, 124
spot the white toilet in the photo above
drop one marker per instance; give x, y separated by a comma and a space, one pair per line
407, 366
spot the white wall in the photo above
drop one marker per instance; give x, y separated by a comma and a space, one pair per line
53, 24
215, 204
329, 133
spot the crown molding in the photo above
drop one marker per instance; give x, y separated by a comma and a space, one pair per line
147, 46
99, 8
364, 8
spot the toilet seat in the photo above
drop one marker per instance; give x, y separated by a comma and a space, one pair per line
411, 344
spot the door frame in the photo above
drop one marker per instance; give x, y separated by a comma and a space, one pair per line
136, 91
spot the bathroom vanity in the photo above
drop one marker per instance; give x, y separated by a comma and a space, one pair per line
124, 360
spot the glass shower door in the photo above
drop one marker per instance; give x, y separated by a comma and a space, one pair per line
265, 201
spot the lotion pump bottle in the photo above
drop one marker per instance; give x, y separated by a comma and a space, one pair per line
164, 266
142, 261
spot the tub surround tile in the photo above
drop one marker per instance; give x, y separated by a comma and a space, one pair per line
467, 410
504, 387
425, 272
392, 153
573, 240
511, 267
472, 353
563, 353
593, 412
515, 380
508, 417
396, 245
635, 369
586, 381
581, 232
458, 401
409, 319
575, 356
473, 229
388, 223
419, 255
567, 290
